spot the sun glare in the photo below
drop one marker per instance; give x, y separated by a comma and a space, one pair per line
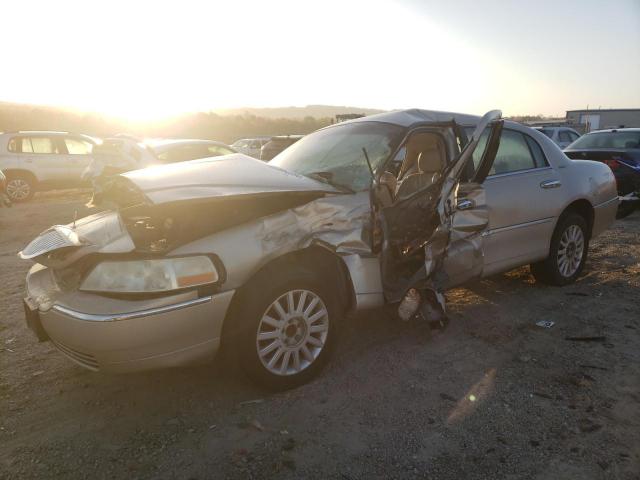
141, 61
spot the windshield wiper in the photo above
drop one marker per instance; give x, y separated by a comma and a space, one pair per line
327, 177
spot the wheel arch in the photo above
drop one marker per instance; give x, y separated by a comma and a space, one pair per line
330, 265
583, 208
9, 172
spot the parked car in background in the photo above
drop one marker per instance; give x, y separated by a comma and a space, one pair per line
276, 145
250, 146
123, 153
41, 160
177, 150
268, 258
620, 149
561, 136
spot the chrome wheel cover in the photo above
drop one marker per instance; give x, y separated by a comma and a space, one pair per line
292, 332
18, 189
570, 251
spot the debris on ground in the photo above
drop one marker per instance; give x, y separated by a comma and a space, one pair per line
597, 338
251, 402
545, 323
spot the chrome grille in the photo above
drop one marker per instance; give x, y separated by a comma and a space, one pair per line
48, 241
84, 359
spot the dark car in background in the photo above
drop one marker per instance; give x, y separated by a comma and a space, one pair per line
620, 149
276, 145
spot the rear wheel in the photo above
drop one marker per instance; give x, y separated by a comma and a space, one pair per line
20, 187
287, 329
568, 252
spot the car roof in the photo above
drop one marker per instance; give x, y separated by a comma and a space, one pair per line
611, 130
51, 133
286, 137
414, 116
43, 132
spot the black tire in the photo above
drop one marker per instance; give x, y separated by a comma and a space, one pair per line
262, 292
16, 184
549, 271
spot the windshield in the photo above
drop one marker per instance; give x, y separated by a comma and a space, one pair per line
620, 139
338, 151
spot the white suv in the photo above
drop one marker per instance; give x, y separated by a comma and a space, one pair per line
42, 160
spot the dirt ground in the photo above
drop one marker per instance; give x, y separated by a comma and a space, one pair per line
494, 396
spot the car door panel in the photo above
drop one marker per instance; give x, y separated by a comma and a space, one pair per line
441, 223
465, 259
39, 155
521, 217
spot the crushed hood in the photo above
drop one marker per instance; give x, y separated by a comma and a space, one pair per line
226, 176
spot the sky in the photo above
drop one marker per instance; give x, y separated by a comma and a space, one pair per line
148, 59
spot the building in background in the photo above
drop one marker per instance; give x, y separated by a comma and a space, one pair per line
589, 120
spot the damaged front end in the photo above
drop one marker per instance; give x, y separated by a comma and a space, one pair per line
152, 219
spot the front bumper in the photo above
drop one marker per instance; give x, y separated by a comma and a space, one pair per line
124, 335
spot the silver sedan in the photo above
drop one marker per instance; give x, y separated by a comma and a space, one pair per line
268, 259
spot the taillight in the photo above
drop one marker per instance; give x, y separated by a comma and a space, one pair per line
613, 164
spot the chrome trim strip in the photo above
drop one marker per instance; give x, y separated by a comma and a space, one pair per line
90, 317
603, 204
487, 233
519, 172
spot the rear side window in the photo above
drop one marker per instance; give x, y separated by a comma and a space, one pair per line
516, 152
37, 145
77, 147
538, 156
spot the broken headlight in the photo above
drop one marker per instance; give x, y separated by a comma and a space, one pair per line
151, 276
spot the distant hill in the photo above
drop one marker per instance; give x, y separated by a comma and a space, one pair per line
316, 111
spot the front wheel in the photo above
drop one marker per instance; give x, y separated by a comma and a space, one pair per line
568, 252
288, 330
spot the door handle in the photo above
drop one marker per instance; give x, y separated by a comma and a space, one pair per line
464, 204
550, 184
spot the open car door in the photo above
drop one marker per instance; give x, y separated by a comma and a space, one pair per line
432, 238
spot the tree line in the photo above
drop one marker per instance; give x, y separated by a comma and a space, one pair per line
204, 125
